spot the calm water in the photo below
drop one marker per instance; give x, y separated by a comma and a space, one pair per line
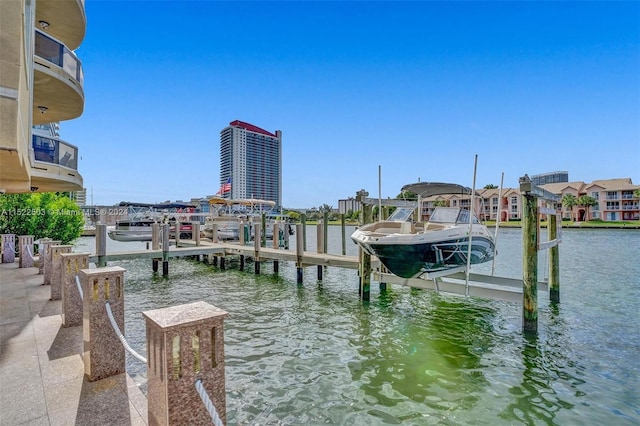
315, 354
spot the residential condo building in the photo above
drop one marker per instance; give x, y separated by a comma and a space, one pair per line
41, 84
251, 161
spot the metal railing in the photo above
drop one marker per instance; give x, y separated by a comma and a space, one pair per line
54, 151
55, 52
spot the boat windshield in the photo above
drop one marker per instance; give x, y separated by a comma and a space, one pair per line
401, 214
451, 215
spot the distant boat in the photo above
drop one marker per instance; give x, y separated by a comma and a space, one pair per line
409, 249
138, 226
227, 214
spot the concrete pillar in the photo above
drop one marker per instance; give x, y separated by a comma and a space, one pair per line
41, 251
103, 352
48, 266
72, 263
25, 246
8, 248
58, 271
185, 343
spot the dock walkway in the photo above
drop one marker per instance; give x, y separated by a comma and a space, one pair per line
42, 379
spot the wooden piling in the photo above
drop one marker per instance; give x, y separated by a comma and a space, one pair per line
530, 263
165, 249
256, 248
365, 259
263, 230
276, 245
303, 219
299, 252
320, 241
554, 260
101, 244
344, 235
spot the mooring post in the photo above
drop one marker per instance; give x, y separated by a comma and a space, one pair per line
299, 252
101, 244
554, 259
42, 248
165, 249
25, 251
344, 235
58, 271
185, 347
155, 236
263, 230
176, 233
325, 230
256, 248
48, 259
530, 263
320, 246
71, 298
276, 245
303, 219
8, 248
104, 354
195, 232
365, 259
242, 238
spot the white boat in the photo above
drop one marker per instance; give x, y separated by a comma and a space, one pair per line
227, 214
138, 226
408, 249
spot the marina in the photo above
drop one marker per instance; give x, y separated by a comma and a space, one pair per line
411, 356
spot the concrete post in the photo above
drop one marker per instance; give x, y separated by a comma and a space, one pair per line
48, 266
41, 251
184, 344
58, 271
72, 263
8, 248
25, 245
103, 352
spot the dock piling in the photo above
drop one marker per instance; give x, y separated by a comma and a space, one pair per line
299, 252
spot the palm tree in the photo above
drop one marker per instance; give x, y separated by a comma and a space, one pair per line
586, 201
569, 201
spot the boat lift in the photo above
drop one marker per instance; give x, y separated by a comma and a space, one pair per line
460, 281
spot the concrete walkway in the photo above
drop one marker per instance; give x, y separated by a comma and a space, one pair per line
42, 378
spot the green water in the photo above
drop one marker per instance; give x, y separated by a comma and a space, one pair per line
315, 354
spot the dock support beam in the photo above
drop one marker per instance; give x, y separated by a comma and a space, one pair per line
554, 261
320, 243
365, 259
256, 247
530, 264
101, 244
165, 249
299, 252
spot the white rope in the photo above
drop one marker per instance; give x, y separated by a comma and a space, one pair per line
27, 249
120, 336
79, 288
207, 403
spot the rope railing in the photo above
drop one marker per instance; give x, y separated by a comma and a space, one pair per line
27, 249
121, 337
79, 288
207, 403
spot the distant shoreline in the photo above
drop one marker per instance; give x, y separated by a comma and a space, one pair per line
518, 224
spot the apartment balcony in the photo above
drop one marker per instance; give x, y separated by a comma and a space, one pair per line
54, 165
58, 81
63, 20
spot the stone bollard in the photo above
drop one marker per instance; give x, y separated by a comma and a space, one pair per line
41, 249
103, 352
185, 343
72, 263
8, 248
58, 271
48, 266
25, 250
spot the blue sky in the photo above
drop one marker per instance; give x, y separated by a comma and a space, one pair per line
418, 88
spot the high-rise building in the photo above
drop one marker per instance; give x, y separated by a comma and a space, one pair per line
251, 161
41, 84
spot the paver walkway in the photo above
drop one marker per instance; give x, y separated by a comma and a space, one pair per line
42, 379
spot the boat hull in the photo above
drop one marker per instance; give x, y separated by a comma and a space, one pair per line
410, 260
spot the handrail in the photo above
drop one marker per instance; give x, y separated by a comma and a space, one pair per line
120, 336
207, 403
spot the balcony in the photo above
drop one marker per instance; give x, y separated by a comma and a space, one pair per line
64, 20
54, 165
58, 93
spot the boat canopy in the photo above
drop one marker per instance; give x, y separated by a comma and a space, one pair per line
429, 189
451, 215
